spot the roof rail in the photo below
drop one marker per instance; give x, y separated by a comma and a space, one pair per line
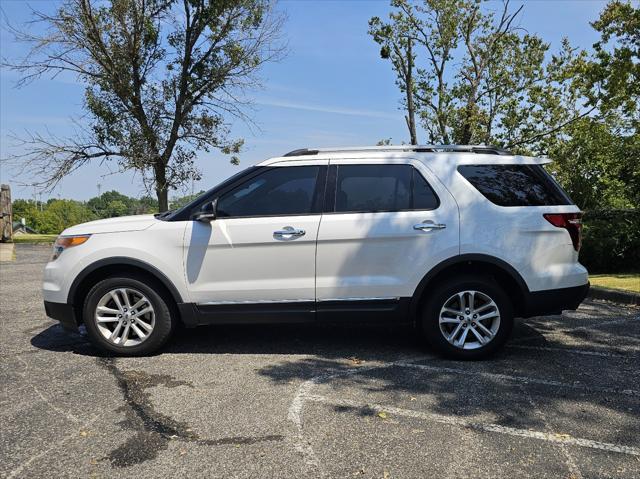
486, 149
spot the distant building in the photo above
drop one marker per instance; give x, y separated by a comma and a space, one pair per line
20, 228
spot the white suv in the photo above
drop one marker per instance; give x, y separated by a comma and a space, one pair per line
457, 240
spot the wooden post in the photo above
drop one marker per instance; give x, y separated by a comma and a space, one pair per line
7, 218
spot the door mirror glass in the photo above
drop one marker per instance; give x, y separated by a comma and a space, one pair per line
207, 211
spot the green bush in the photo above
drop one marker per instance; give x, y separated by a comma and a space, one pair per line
611, 241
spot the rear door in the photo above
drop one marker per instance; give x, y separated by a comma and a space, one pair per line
386, 223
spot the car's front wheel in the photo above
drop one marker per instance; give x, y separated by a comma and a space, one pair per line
467, 317
127, 316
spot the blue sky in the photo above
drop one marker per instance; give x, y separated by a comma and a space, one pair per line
332, 89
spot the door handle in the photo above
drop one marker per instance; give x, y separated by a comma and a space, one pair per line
428, 226
289, 232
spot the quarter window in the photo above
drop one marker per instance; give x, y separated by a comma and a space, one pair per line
515, 185
279, 191
375, 188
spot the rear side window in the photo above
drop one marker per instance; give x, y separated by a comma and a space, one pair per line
376, 188
515, 185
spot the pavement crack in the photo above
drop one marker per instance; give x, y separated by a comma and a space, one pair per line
155, 430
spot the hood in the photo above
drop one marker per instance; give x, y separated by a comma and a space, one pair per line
112, 225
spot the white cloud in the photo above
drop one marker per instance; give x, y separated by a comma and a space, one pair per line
328, 109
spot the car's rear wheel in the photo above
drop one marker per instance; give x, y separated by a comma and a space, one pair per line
127, 316
467, 317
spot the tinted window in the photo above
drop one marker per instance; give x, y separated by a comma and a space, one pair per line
370, 188
278, 191
424, 198
515, 185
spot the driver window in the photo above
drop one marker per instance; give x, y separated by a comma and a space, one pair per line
279, 191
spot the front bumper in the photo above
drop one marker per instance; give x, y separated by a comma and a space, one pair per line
63, 312
554, 301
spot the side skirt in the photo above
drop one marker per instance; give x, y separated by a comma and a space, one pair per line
393, 310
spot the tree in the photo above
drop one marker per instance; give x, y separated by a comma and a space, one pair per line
60, 214
472, 66
397, 46
183, 200
615, 68
161, 78
598, 154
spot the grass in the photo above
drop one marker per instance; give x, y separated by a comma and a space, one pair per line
625, 282
28, 238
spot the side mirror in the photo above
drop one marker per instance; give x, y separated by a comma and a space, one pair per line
207, 212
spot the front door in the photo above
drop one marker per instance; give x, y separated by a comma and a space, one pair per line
259, 252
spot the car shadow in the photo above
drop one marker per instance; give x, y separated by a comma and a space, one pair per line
331, 340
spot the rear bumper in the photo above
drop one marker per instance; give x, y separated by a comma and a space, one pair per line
554, 301
63, 312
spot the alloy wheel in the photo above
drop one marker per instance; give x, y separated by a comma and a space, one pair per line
469, 319
125, 317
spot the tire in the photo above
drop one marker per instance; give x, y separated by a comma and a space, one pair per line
144, 330
488, 299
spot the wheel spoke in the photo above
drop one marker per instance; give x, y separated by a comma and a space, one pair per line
455, 332
477, 335
116, 299
139, 303
485, 330
104, 309
116, 331
462, 301
138, 331
452, 311
125, 334
483, 307
449, 321
142, 312
146, 326
463, 338
107, 319
125, 295
489, 315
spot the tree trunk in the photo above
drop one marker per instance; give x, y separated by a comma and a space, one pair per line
465, 134
6, 229
162, 192
411, 111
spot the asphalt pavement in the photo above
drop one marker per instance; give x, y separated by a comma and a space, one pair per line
313, 401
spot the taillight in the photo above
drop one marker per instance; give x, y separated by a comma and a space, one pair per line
572, 222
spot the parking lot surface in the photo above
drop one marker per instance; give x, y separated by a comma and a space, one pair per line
562, 401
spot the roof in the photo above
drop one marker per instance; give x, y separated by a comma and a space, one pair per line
444, 155
415, 148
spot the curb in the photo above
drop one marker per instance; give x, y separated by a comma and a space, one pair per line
624, 297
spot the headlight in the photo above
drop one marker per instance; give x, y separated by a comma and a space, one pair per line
64, 242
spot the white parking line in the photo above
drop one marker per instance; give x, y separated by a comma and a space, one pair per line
300, 444
570, 462
486, 427
518, 379
303, 394
568, 350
